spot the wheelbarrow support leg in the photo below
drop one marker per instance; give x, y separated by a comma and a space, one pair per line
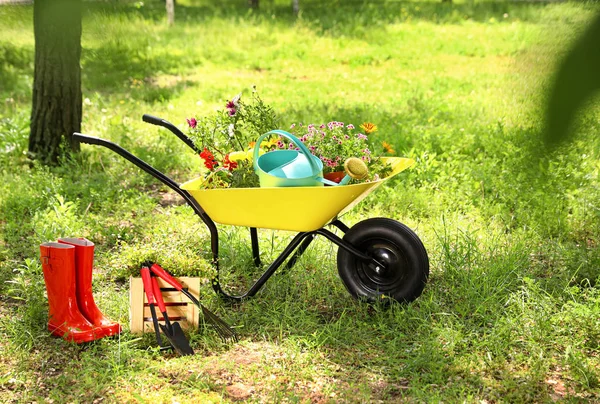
301, 241
298, 253
292, 261
266, 275
255, 249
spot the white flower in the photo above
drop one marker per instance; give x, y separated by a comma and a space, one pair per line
231, 130
236, 99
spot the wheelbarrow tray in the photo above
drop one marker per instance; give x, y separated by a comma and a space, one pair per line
300, 209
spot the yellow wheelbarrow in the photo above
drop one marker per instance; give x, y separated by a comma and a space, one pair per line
378, 258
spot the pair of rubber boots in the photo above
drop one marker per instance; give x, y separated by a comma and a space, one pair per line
73, 314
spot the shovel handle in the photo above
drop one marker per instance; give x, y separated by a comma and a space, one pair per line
158, 296
164, 275
147, 280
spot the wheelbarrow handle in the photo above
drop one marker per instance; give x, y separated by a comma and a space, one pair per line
159, 176
131, 158
154, 120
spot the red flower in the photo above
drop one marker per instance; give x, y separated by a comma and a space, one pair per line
230, 165
209, 159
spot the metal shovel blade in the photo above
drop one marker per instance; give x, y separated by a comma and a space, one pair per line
177, 339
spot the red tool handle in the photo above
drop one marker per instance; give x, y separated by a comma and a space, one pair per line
158, 296
164, 275
147, 280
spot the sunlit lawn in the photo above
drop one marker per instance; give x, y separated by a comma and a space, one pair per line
511, 310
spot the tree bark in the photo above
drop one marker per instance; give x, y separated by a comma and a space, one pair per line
170, 12
296, 7
253, 3
56, 101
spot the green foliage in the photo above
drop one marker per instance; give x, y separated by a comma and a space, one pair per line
180, 256
27, 327
58, 219
335, 142
226, 139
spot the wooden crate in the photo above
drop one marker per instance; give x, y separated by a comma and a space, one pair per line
179, 307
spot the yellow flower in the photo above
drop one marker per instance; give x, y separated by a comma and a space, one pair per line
240, 155
271, 142
368, 127
387, 147
244, 155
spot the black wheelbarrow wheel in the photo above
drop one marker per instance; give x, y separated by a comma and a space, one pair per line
404, 258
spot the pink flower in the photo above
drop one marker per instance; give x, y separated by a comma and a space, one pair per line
231, 111
293, 126
361, 136
192, 122
350, 126
234, 103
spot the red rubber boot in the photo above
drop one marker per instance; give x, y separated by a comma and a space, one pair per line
65, 319
84, 261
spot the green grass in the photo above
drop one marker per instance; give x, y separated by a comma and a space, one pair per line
510, 313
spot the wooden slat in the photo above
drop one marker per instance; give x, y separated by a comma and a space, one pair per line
136, 305
178, 305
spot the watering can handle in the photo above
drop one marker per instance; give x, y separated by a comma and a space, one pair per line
313, 165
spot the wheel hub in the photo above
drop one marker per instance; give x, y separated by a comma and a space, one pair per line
387, 272
383, 257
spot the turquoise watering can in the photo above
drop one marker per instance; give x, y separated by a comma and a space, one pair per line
288, 168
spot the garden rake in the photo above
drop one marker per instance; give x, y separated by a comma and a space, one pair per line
221, 327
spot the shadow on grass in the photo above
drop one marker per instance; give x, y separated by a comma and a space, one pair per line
116, 69
119, 64
334, 17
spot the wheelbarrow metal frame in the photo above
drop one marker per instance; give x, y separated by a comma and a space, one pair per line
297, 245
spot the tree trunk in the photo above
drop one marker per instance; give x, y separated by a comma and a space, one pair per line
296, 7
253, 3
56, 104
171, 12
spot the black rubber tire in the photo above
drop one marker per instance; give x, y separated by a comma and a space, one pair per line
393, 244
